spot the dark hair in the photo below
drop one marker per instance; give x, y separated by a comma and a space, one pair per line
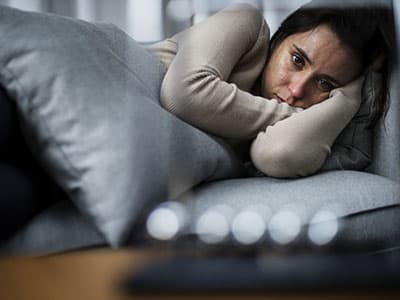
367, 30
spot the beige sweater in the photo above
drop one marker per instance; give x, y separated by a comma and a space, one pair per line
212, 69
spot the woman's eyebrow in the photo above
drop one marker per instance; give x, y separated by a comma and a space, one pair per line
305, 56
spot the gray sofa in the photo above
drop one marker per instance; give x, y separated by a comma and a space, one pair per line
172, 161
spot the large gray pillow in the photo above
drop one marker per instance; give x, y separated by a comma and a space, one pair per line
87, 98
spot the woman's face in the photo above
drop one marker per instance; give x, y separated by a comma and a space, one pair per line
306, 66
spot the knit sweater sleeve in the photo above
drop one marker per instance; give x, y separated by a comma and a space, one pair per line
217, 62
299, 145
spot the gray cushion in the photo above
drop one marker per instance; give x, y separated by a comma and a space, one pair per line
87, 98
365, 201
349, 194
386, 160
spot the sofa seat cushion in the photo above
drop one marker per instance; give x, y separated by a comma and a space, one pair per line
355, 198
367, 207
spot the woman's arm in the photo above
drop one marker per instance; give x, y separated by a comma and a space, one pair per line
299, 145
216, 64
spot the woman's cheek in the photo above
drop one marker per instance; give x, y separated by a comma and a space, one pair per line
284, 70
320, 98
324, 96
276, 76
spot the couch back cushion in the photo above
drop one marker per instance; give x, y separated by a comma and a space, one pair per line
386, 142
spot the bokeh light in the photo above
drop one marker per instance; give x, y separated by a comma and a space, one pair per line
213, 226
284, 226
248, 227
323, 227
166, 221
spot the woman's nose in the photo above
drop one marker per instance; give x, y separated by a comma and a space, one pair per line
297, 86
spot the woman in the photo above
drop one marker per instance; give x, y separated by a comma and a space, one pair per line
291, 96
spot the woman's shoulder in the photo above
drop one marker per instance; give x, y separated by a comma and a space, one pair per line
239, 21
243, 8
242, 14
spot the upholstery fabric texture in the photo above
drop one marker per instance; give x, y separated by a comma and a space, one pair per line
91, 116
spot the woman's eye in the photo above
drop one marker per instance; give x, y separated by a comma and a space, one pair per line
297, 60
325, 85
